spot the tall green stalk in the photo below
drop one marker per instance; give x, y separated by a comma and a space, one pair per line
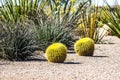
89, 24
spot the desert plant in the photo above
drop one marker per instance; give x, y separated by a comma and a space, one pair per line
89, 24
13, 10
84, 47
52, 33
56, 53
58, 22
66, 12
112, 17
18, 42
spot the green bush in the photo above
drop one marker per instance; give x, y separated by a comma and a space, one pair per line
57, 21
49, 33
18, 42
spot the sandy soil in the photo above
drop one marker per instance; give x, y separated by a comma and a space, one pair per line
104, 65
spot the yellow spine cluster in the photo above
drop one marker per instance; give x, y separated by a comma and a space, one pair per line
56, 53
72, 1
72, 7
84, 47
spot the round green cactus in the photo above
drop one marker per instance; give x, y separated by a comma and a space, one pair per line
84, 47
56, 53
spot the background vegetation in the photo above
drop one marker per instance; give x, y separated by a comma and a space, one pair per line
112, 18
26, 24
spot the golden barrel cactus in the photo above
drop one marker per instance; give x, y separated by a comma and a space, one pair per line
56, 53
84, 47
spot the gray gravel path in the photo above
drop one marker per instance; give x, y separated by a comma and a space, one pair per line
104, 65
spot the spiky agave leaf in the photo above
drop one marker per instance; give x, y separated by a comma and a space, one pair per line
12, 10
112, 17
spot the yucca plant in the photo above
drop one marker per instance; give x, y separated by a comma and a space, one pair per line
89, 24
112, 17
18, 42
12, 10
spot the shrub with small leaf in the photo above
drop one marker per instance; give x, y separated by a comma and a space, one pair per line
56, 53
84, 47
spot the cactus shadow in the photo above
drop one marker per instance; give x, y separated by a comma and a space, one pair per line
32, 60
37, 59
6, 63
71, 63
71, 52
99, 56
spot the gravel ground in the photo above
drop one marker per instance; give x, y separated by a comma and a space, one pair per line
104, 65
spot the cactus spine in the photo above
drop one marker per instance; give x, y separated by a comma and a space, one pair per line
84, 47
56, 53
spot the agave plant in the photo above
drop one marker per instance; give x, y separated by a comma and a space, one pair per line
112, 17
12, 10
18, 42
66, 12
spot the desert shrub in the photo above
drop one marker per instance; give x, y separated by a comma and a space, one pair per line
57, 21
49, 33
53, 20
112, 17
18, 42
90, 24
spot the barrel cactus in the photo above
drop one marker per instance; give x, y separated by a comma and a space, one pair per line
56, 53
84, 47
